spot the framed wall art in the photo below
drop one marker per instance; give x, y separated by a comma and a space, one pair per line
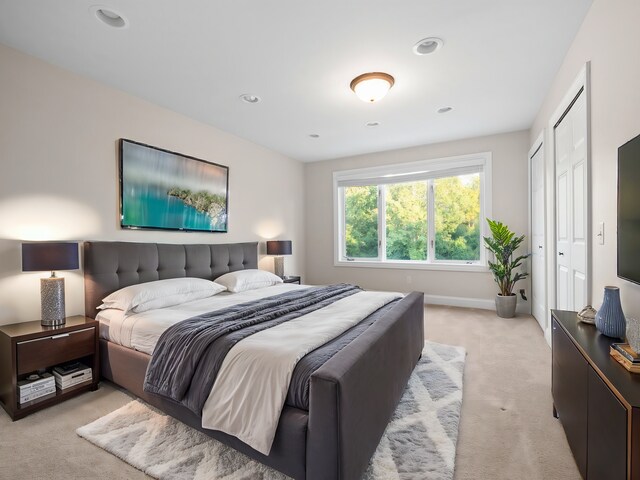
160, 189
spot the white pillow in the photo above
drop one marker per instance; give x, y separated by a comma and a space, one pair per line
249, 279
161, 293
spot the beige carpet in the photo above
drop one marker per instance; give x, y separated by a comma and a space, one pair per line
419, 442
506, 431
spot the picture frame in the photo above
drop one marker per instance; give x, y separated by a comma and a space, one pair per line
165, 190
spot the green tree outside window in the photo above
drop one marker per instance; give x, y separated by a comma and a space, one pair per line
456, 218
457, 215
407, 221
361, 221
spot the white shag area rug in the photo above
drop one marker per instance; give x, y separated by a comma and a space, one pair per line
418, 444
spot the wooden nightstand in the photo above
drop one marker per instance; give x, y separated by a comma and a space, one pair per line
27, 347
291, 279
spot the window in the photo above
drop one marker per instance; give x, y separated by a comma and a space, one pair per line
406, 221
420, 215
457, 217
361, 222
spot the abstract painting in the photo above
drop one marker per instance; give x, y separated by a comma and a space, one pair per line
165, 190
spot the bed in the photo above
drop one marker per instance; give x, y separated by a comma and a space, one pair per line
351, 396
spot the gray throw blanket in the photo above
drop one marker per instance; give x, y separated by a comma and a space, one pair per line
189, 354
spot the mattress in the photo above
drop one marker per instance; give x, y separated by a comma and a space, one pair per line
141, 331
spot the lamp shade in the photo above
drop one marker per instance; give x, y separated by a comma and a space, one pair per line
279, 247
49, 256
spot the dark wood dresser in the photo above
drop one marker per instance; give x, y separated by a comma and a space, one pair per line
596, 400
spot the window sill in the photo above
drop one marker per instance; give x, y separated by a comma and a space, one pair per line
456, 267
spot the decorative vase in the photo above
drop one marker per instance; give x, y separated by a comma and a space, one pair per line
610, 319
633, 334
506, 305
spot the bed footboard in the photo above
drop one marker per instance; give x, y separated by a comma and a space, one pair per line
353, 395
127, 367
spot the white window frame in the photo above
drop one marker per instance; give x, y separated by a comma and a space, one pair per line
423, 170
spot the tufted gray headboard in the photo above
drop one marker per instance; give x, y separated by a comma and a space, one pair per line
109, 266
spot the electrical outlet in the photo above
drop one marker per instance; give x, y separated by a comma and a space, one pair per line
600, 233
409, 280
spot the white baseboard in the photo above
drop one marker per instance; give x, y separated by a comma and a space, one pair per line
468, 302
547, 335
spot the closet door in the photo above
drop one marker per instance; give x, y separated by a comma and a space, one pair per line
572, 211
538, 250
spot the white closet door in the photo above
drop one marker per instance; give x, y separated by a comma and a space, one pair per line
538, 250
571, 209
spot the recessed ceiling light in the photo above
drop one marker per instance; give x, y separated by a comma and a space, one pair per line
372, 124
314, 135
108, 16
445, 109
249, 98
371, 87
427, 46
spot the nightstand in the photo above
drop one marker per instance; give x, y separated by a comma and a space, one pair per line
291, 279
27, 347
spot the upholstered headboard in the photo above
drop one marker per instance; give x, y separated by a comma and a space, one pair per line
109, 266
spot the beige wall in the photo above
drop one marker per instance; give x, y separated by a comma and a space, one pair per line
609, 38
59, 179
510, 205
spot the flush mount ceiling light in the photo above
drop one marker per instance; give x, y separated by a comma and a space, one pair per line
371, 87
427, 46
108, 16
445, 109
249, 98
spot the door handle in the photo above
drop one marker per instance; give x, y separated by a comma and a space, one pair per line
561, 253
540, 247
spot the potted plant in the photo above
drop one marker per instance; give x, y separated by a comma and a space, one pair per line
503, 243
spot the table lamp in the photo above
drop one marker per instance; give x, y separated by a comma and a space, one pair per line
50, 256
279, 248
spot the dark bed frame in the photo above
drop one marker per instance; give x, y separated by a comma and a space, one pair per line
351, 397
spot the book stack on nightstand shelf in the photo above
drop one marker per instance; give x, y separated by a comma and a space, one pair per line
36, 387
71, 374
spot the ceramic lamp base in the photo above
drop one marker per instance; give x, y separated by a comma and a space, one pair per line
278, 266
52, 301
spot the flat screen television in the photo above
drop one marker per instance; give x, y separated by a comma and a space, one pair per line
629, 211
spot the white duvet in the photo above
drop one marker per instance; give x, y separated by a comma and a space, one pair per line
251, 387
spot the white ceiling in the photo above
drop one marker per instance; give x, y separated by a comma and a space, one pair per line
197, 56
